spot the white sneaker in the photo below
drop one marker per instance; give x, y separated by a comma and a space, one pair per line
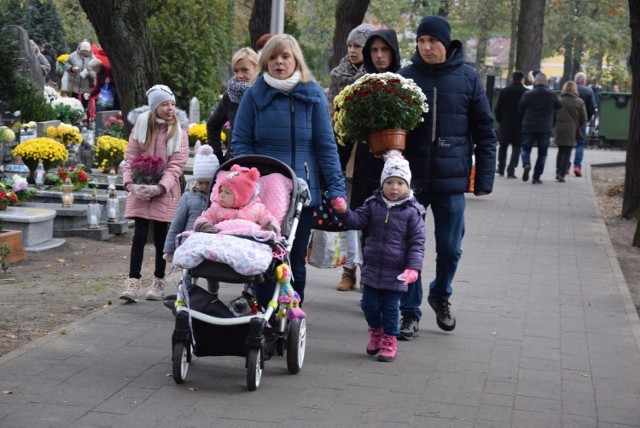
155, 292
131, 288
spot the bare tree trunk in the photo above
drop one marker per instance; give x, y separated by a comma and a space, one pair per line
260, 21
349, 14
631, 197
121, 27
568, 60
530, 26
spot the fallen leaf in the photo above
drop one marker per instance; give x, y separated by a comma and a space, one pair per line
192, 389
83, 266
61, 261
7, 392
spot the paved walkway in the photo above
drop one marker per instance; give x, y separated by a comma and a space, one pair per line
547, 336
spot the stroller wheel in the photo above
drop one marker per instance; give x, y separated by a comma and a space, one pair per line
254, 368
296, 344
181, 359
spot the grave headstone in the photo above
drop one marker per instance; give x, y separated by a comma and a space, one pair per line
194, 110
41, 127
28, 63
101, 118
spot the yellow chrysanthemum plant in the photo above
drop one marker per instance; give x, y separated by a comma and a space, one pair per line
46, 150
62, 58
66, 134
197, 131
109, 152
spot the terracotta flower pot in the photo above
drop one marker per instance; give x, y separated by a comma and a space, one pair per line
387, 139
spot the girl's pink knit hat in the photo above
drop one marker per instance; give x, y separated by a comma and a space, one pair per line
242, 182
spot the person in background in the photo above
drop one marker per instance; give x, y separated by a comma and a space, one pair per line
393, 251
459, 124
510, 120
344, 74
79, 77
51, 78
157, 132
537, 107
244, 64
45, 66
586, 94
261, 42
571, 117
285, 115
193, 203
103, 75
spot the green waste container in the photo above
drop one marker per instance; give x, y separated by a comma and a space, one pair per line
614, 114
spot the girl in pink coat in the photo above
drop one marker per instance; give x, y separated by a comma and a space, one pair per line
157, 133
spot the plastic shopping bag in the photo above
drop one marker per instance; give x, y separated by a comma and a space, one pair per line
327, 250
105, 97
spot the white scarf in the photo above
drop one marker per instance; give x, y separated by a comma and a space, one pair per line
174, 145
284, 85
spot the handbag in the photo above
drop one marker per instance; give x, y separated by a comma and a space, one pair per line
579, 135
325, 218
105, 97
327, 250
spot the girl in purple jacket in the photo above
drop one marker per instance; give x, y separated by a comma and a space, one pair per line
393, 224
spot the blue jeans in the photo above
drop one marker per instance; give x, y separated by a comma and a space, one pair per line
297, 258
448, 220
577, 160
542, 140
380, 309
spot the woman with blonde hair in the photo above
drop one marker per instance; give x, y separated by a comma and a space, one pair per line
285, 115
244, 64
569, 119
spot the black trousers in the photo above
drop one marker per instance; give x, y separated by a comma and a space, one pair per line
140, 233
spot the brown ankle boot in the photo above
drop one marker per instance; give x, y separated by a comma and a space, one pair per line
348, 280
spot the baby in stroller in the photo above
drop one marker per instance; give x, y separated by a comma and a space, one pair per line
237, 205
250, 244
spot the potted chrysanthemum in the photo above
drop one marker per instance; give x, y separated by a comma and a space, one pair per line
46, 150
109, 152
379, 105
197, 131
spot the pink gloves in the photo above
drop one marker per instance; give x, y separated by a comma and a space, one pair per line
339, 204
145, 191
409, 275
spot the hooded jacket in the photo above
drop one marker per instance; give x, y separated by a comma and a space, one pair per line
162, 207
394, 239
293, 127
192, 204
366, 167
459, 124
74, 82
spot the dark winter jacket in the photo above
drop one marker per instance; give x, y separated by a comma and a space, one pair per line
568, 118
366, 167
51, 57
192, 204
293, 127
537, 107
458, 124
507, 113
224, 111
395, 237
586, 93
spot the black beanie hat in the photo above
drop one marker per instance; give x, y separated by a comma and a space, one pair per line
437, 27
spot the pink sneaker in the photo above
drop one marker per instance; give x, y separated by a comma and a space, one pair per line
388, 348
375, 334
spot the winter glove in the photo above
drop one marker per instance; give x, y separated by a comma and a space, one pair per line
168, 257
136, 190
339, 204
206, 227
409, 275
149, 191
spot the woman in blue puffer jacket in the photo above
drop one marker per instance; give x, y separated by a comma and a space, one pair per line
285, 115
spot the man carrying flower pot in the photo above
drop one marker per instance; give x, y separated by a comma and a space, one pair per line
458, 125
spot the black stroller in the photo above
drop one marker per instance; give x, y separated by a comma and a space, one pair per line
205, 326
